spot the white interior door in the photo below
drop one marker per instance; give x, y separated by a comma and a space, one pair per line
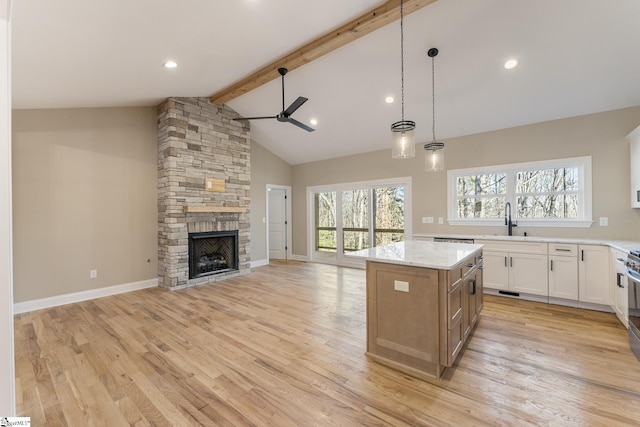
277, 223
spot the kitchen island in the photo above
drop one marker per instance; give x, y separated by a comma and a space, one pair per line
423, 301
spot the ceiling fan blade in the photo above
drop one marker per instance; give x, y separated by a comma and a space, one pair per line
300, 125
295, 105
256, 118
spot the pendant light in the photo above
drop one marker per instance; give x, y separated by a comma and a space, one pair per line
434, 151
402, 132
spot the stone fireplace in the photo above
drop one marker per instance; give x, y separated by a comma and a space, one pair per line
199, 144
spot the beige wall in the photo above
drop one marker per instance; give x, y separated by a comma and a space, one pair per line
84, 189
84, 197
266, 168
601, 136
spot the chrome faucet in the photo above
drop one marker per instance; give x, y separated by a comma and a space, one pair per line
507, 219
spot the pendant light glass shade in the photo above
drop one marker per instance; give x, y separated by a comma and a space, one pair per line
402, 134
433, 151
434, 157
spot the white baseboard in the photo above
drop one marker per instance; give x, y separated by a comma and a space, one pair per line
299, 257
39, 304
259, 263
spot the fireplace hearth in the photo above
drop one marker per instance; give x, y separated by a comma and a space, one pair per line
212, 253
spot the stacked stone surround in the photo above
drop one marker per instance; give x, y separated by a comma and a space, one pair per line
199, 140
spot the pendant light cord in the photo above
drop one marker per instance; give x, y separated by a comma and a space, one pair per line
402, 57
433, 97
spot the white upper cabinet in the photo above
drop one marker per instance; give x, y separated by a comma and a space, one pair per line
634, 141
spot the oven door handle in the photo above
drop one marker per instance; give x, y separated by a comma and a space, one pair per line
631, 275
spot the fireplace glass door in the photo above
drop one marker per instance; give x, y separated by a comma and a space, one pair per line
212, 253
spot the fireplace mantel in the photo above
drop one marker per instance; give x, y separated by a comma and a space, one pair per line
213, 209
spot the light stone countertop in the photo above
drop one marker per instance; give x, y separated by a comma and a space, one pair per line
416, 253
621, 245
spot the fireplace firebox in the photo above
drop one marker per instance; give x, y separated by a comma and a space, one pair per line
212, 252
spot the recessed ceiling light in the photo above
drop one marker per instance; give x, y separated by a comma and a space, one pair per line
511, 64
313, 122
170, 64
389, 100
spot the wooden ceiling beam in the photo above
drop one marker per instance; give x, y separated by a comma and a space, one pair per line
361, 26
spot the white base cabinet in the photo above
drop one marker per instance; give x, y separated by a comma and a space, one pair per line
563, 273
618, 288
521, 268
496, 270
593, 274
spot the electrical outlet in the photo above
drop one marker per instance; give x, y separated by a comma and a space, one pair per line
604, 221
440, 220
427, 220
93, 274
401, 286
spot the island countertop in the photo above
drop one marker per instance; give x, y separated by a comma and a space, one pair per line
436, 255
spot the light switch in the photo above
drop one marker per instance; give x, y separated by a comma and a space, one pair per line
401, 286
604, 221
427, 220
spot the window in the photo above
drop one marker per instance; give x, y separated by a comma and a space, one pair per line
481, 195
350, 217
355, 220
389, 215
325, 221
549, 193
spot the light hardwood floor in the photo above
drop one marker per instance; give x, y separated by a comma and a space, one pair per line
285, 345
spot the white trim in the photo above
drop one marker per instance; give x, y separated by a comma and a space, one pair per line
339, 258
259, 263
299, 258
39, 304
523, 223
585, 169
7, 358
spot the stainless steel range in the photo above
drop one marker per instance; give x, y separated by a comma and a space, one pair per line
633, 275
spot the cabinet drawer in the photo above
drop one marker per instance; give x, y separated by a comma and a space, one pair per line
455, 337
563, 249
455, 305
455, 275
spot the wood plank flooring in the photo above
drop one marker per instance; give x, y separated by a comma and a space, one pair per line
284, 346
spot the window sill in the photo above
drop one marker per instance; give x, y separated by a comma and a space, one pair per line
522, 223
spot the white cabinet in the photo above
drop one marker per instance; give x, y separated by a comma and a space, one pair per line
563, 274
528, 273
634, 141
496, 270
618, 296
593, 275
515, 267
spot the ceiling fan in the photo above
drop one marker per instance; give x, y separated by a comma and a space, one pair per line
285, 115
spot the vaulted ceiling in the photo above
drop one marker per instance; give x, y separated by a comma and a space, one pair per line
575, 57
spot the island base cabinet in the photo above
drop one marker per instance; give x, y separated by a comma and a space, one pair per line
418, 319
404, 317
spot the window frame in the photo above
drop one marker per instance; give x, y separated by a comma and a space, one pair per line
583, 164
